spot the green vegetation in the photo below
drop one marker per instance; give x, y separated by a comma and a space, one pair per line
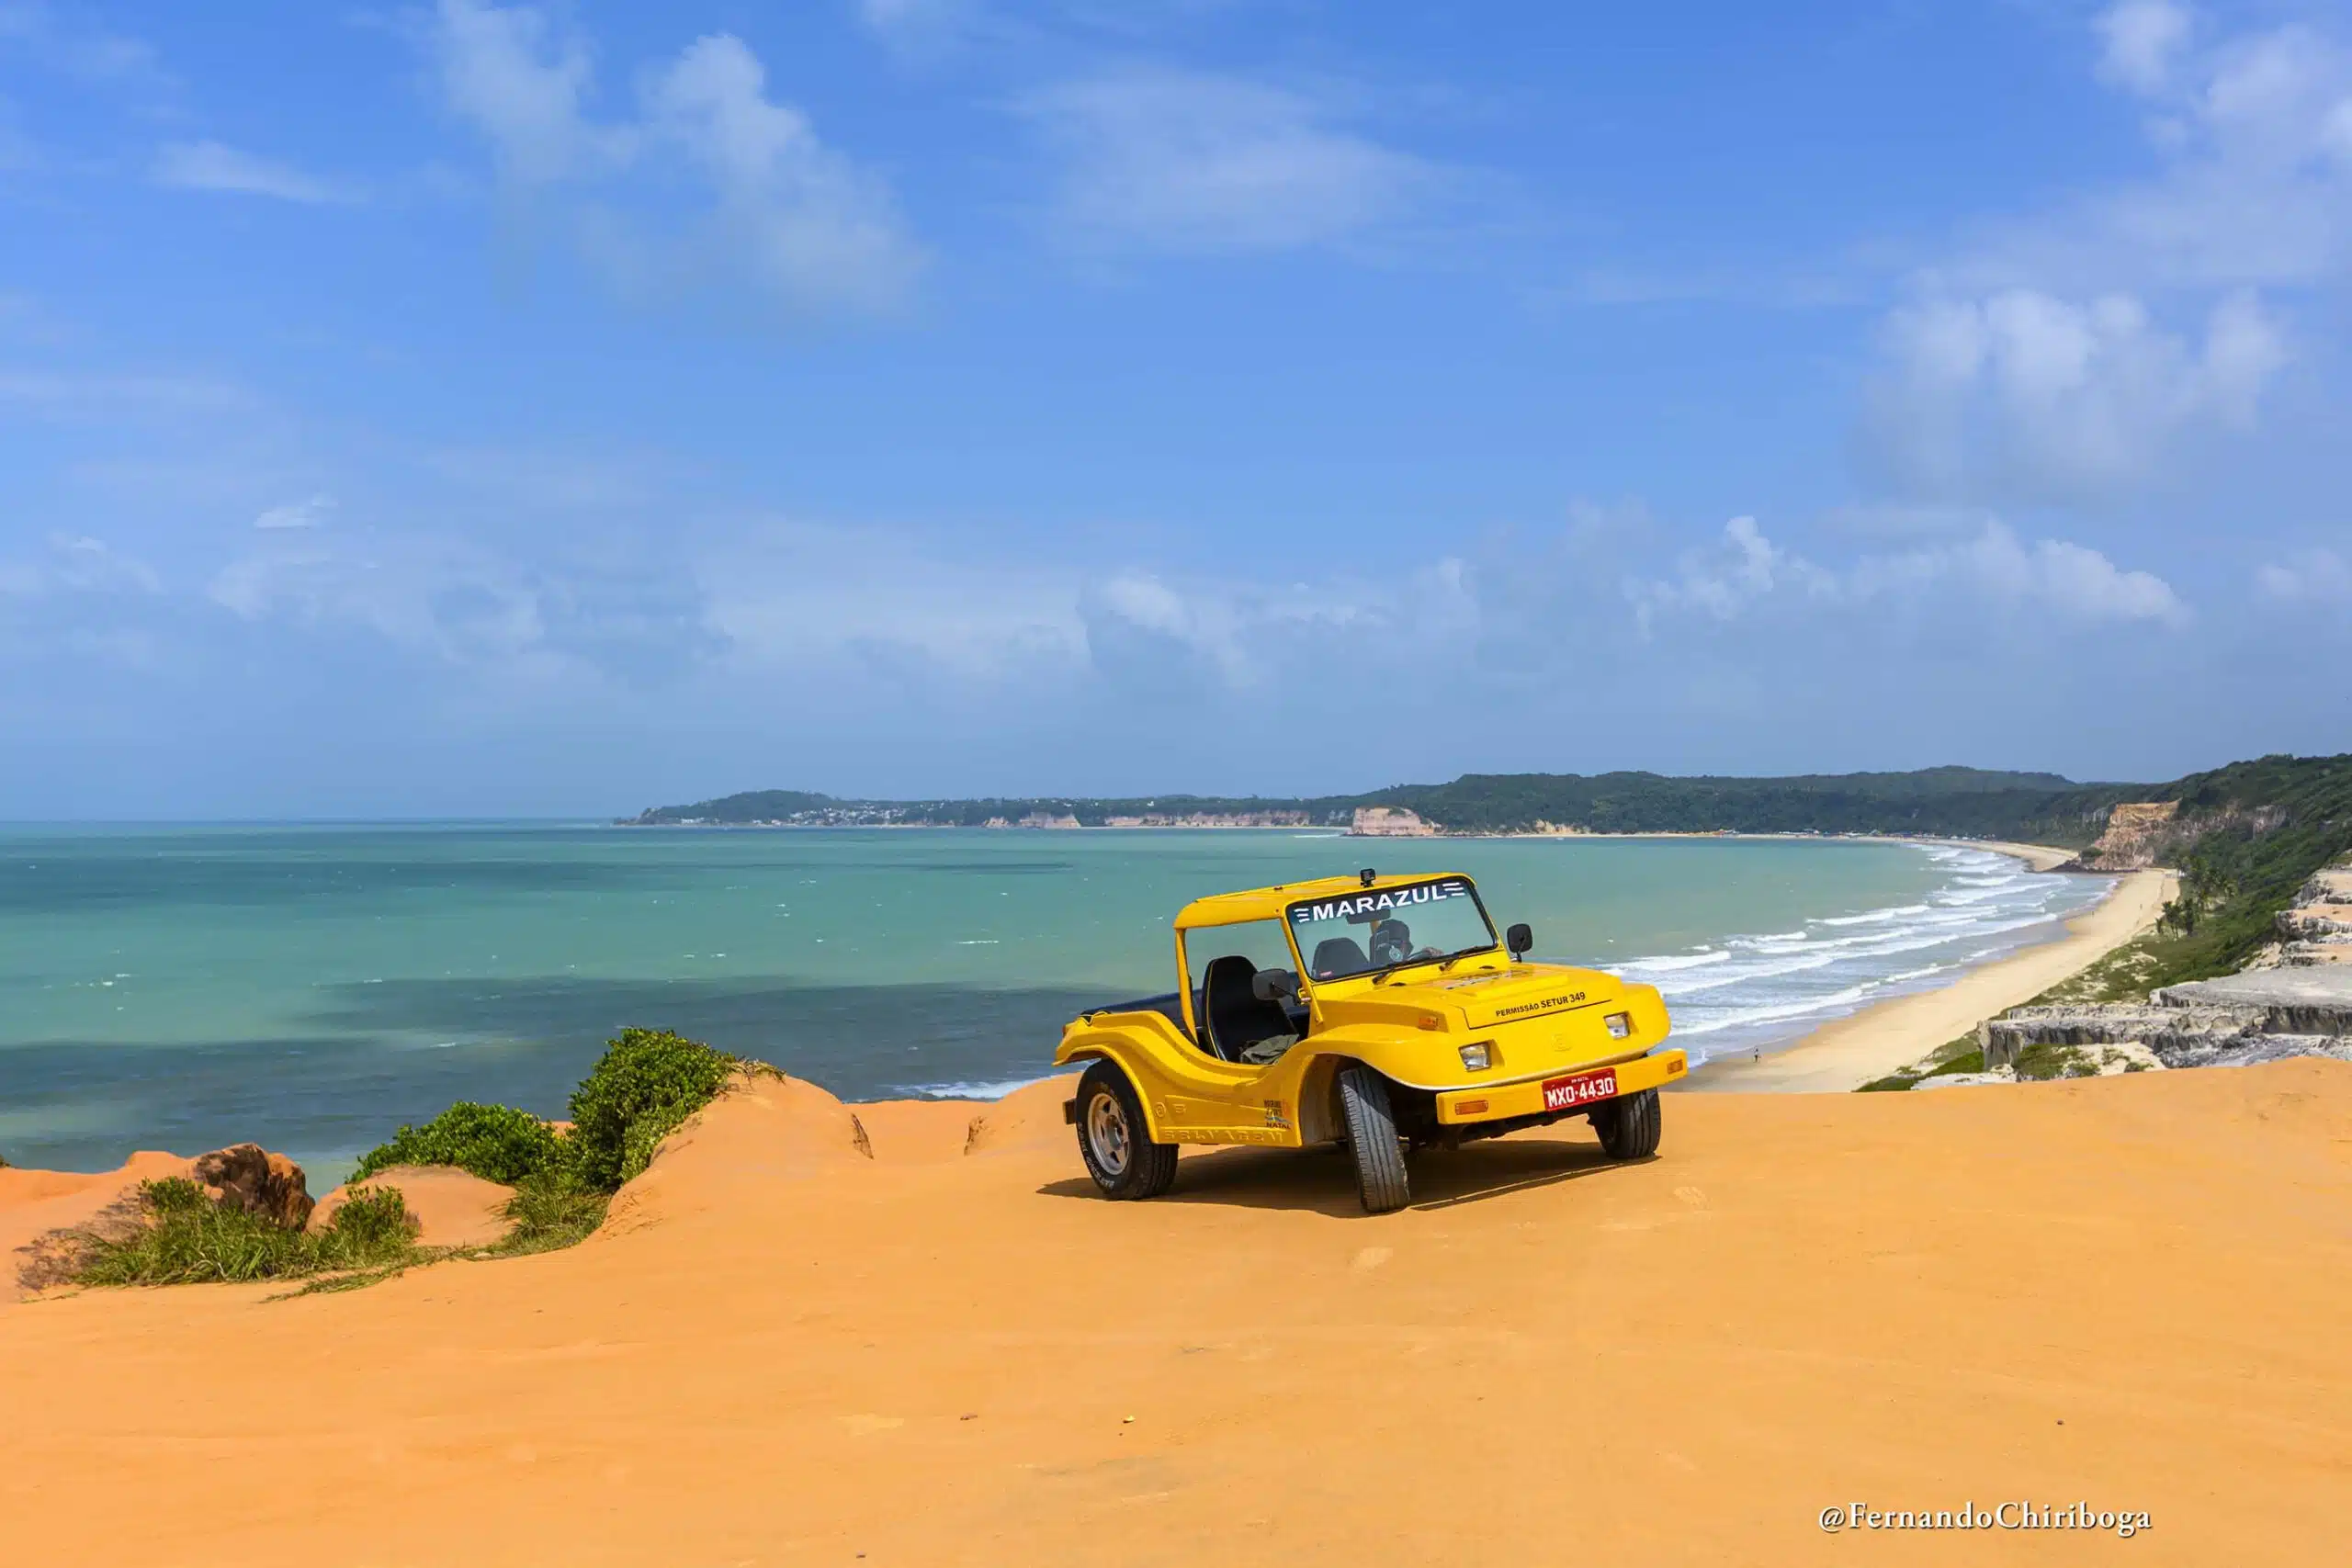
550, 1211
496, 1143
647, 1082
645, 1085
1960, 1055
1966, 802
1957, 802
181, 1237
2246, 839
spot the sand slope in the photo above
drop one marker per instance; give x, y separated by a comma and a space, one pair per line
2130, 1291
35, 1202
451, 1207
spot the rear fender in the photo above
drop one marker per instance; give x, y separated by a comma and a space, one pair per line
1130, 1061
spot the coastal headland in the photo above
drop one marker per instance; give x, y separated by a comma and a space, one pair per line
918, 1337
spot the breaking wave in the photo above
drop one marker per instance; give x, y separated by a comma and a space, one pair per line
1747, 993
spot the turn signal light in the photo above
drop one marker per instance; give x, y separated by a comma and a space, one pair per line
1619, 1024
1469, 1108
1430, 1021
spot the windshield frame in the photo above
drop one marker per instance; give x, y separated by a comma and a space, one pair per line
1291, 924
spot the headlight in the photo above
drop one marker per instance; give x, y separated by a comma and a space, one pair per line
1477, 1058
1619, 1024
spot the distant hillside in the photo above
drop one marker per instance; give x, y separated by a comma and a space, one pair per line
1964, 802
2243, 836
1969, 802
795, 808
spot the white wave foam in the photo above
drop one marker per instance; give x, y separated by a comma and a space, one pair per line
1670, 963
996, 1089
1886, 914
1772, 1014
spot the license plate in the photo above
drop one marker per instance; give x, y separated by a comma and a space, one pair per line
1579, 1089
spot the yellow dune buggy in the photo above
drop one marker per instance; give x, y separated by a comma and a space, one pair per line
1381, 1013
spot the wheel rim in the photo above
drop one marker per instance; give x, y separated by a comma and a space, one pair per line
1107, 1132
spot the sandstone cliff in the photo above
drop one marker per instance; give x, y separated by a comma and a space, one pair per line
1390, 822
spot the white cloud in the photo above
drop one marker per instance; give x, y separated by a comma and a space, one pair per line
2253, 134
78, 564
1246, 636
2141, 40
208, 166
2023, 394
804, 219
1191, 162
1747, 574
2069, 580
65, 45
918, 25
2319, 577
441, 597
791, 605
790, 597
296, 513
797, 219
1721, 584
71, 393
526, 88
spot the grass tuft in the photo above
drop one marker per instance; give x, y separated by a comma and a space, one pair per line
550, 1213
179, 1236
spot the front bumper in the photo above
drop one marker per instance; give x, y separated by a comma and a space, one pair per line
1506, 1101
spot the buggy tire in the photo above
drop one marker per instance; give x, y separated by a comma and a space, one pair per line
1114, 1140
1629, 1125
1372, 1140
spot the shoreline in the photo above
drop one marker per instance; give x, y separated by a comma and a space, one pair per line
1886, 1036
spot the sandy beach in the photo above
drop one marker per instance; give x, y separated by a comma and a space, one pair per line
1849, 1052
2123, 1292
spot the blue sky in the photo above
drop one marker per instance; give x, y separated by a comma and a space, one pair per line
508, 408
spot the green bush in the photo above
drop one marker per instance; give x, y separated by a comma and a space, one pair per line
647, 1082
496, 1143
372, 1227
184, 1239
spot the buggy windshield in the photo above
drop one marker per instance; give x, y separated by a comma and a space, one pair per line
1378, 928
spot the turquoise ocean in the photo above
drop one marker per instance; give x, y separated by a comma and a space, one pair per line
312, 987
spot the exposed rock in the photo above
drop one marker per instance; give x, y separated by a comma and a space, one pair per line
1390, 822
2135, 831
2317, 928
1965, 1080
2311, 1001
2259, 1015
248, 1177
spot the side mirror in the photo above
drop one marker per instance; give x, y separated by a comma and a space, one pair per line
1519, 939
1273, 985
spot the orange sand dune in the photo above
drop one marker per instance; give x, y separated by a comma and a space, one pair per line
35, 1202
2130, 1291
452, 1208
